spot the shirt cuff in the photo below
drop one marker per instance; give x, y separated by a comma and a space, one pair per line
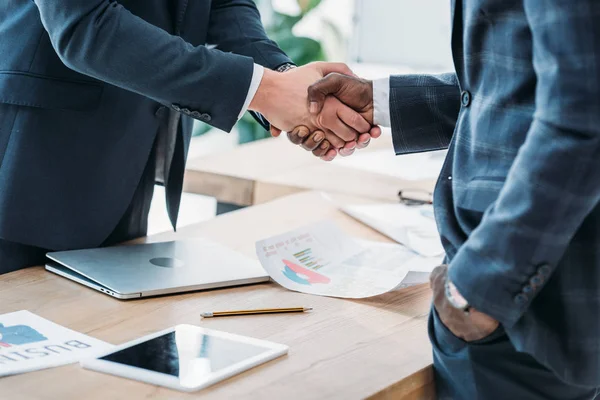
381, 102
257, 76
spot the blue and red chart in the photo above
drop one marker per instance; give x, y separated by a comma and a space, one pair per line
301, 275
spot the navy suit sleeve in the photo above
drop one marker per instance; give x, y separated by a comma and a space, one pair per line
554, 182
102, 39
423, 111
235, 26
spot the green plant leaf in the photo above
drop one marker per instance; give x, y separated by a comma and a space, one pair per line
302, 50
250, 131
200, 128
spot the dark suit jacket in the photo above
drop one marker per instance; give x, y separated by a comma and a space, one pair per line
83, 85
517, 202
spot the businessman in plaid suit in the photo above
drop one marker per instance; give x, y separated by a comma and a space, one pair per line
516, 309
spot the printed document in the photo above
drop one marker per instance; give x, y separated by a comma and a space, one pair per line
29, 342
321, 259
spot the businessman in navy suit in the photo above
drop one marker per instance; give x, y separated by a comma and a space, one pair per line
97, 101
516, 310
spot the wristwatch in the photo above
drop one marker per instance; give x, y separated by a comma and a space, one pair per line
455, 298
285, 67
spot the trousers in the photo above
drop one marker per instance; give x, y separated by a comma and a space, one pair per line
492, 369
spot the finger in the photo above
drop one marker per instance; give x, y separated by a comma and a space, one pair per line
298, 134
322, 150
318, 91
348, 149
438, 285
313, 140
275, 132
330, 156
334, 139
435, 274
375, 132
327, 68
349, 116
329, 119
363, 141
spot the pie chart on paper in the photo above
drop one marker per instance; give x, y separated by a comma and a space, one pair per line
303, 276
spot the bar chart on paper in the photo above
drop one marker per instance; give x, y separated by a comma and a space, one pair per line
306, 258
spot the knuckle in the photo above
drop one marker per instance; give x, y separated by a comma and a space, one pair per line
356, 120
322, 119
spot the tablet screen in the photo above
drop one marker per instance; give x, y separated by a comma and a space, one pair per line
187, 353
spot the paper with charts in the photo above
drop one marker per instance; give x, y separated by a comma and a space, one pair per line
29, 342
321, 259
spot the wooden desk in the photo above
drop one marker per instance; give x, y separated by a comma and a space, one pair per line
342, 350
261, 171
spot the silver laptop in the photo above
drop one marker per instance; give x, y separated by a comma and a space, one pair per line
129, 272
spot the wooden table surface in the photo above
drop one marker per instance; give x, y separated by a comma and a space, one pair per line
262, 171
374, 348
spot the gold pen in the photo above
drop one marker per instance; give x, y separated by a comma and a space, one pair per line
257, 311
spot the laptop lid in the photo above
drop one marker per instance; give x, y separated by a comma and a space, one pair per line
161, 268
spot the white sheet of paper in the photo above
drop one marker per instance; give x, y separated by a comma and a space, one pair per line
416, 166
412, 226
321, 259
29, 343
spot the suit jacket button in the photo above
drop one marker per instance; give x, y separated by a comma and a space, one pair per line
521, 299
196, 114
176, 107
205, 117
527, 289
544, 270
536, 280
186, 111
465, 98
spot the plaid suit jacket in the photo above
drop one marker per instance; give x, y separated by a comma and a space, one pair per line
517, 202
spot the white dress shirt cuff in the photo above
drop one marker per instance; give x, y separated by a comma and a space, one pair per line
257, 76
381, 102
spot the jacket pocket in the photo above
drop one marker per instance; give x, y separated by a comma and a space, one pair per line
31, 90
477, 194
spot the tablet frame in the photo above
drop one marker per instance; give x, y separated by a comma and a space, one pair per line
272, 351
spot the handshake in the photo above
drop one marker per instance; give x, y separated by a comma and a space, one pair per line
324, 108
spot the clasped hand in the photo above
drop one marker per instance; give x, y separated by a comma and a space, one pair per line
321, 110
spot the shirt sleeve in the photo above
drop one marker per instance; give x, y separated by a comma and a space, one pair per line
381, 102
257, 76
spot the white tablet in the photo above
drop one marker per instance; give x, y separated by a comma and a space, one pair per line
186, 357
